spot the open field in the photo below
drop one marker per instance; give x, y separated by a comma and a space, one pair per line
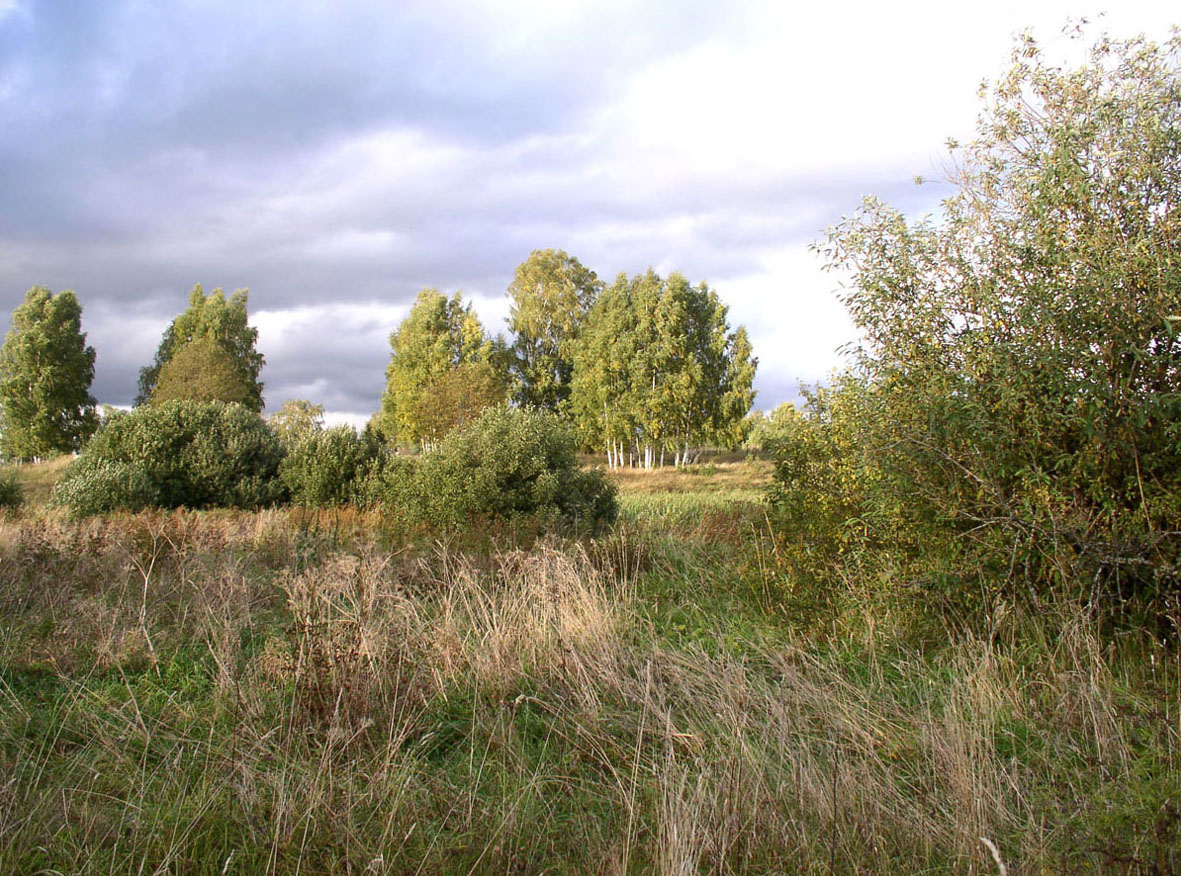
289, 691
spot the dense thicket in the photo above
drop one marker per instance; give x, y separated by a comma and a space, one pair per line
1012, 416
509, 463
322, 468
45, 374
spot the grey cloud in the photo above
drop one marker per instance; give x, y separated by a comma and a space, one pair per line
146, 147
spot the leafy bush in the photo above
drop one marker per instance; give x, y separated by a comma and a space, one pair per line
510, 462
12, 495
388, 481
322, 468
95, 486
1014, 402
192, 454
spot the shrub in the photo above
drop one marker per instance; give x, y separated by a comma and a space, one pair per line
510, 462
95, 486
12, 495
322, 468
192, 454
1015, 385
388, 481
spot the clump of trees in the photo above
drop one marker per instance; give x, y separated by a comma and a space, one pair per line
46, 370
657, 370
647, 370
1011, 418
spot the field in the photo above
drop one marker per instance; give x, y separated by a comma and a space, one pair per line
287, 691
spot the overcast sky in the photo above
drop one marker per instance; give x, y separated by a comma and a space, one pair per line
336, 157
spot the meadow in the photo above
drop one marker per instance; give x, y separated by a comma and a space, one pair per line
326, 691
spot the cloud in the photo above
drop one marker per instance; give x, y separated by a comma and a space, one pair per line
336, 158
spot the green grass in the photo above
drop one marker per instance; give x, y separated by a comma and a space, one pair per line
272, 692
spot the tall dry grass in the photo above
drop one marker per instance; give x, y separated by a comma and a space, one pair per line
252, 693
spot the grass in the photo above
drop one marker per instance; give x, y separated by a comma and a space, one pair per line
724, 477
37, 478
285, 691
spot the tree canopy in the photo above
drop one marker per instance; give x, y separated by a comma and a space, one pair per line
45, 374
223, 320
457, 397
658, 369
437, 335
202, 370
296, 420
551, 294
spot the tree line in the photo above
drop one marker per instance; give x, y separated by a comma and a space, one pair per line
645, 370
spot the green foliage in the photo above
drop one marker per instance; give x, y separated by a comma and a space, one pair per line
222, 320
93, 485
45, 374
191, 454
12, 495
551, 294
833, 495
322, 469
764, 429
296, 420
510, 462
455, 398
388, 482
437, 335
201, 370
658, 368
1017, 385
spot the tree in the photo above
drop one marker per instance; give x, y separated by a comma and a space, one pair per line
551, 294
225, 321
1024, 348
296, 420
45, 374
658, 369
457, 397
438, 334
767, 428
202, 370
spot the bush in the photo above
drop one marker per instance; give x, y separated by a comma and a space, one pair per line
192, 454
1014, 401
95, 486
12, 495
388, 481
323, 467
510, 462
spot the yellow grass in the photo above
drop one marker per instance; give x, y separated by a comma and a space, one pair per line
708, 477
38, 478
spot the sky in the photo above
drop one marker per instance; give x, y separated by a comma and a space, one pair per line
336, 157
